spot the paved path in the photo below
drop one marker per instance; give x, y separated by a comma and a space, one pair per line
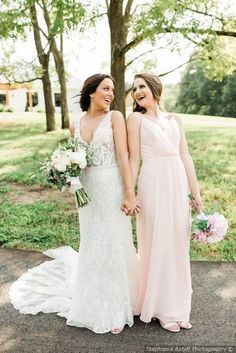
213, 318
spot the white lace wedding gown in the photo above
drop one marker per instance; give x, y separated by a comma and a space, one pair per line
96, 288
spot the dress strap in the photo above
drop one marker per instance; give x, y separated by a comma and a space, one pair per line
76, 124
109, 114
108, 117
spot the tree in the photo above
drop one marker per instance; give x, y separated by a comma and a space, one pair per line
199, 94
228, 96
17, 71
59, 16
197, 21
43, 57
16, 18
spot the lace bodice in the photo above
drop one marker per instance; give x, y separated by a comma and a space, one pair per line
102, 144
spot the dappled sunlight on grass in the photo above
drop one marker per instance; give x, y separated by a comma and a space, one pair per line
193, 121
29, 145
8, 169
14, 154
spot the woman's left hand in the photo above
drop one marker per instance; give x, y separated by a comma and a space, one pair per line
130, 207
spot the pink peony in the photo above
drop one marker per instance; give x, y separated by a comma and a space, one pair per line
200, 236
218, 225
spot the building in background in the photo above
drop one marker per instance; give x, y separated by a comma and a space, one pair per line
29, 96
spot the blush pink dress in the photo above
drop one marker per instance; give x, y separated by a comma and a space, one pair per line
163, 225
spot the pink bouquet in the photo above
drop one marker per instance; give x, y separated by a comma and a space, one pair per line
209, 228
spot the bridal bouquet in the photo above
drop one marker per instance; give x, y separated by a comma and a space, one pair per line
209, 228
65, 166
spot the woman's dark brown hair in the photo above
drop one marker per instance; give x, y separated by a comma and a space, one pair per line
155, 85
90, 85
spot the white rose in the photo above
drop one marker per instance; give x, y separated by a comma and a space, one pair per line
70, 157
75, 158
60, 165
82, 153
67, 156
80, 158
83, 163
56, 154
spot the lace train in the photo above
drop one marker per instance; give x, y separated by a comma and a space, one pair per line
96, 288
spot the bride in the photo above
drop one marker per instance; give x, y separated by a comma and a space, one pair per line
97, 287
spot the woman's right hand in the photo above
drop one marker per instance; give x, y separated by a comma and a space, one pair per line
196, 203
130, 206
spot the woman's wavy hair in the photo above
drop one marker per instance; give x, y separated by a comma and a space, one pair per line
155, 85
90, 85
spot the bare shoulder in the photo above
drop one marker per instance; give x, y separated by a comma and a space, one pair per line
134, 119
116, 115
117, 118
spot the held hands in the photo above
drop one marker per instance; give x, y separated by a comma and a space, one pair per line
130, 206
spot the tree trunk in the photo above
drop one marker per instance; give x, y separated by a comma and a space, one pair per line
49, 107
118, 72
44, 61
118, 23
60, 68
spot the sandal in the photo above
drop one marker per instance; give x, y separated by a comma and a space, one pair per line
170, 326
115, 331
184, 324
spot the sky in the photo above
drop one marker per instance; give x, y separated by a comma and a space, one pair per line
89, 52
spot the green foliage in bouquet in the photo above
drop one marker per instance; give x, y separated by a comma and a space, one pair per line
65, 166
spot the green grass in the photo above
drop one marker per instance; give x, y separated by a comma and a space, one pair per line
213, 152
39, 226
23, 146
52, 221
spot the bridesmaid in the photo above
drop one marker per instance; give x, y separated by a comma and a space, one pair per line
163, 225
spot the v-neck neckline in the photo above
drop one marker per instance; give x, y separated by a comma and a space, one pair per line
157, 123
95, 131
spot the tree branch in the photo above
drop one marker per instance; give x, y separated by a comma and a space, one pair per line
39, 4
107, 4
178, 67
205, 13
226, 33
132, 44
127, 10
29, 80
181, 30
137, 6
11, 78
36, 30
91, 19
43, 33
139, 56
